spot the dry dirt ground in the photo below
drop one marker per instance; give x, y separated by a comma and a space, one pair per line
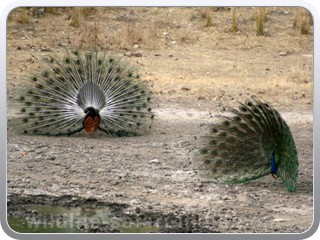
193, 62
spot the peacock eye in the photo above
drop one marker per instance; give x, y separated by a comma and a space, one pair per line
249, 103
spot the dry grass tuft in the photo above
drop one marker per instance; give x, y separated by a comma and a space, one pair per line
235, 21
302, 71
79, 14
51, 10
261, 19
23, 17
90, 35
303, 21
207, 15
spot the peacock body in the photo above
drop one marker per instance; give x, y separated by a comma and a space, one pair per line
251, 142
85, 91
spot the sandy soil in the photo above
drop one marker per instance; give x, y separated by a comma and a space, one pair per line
192, 69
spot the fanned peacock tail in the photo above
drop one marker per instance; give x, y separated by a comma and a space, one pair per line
86, 91
250, 142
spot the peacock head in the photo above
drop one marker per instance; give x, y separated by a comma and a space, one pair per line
286, 167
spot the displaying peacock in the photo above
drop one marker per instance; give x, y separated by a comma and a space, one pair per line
85, 90
250, 142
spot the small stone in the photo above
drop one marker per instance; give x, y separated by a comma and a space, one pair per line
138, 210
308, 55
225, 197
38, 158
45, 49
128, 54
201, 98
100, 170
137, 53
283, 53
281, 220
40, 150
14, 147
155, 161
185, 89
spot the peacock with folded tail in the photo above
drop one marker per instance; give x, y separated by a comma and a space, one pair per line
87, 91
249, 142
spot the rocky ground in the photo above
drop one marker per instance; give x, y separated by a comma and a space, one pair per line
192, 69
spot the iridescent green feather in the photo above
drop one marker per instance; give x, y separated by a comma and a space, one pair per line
240, 146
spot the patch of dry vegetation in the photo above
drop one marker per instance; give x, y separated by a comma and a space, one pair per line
79, 14
261, 18
235, 21
194, 49
303, 21
23, 16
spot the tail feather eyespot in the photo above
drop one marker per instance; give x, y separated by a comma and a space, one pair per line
58, 94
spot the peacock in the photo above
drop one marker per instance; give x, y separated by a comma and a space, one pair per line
87, 91
249, 142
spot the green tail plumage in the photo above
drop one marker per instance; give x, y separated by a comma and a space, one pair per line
241, 145
89, 91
